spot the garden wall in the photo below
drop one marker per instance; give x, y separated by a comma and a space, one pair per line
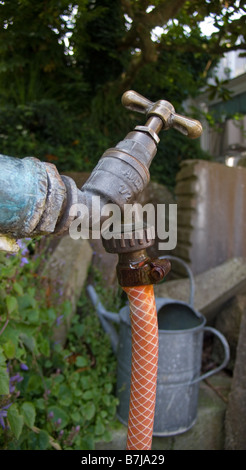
211, 200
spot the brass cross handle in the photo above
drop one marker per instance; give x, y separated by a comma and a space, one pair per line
164, 111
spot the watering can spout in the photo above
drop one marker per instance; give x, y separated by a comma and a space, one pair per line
105, 318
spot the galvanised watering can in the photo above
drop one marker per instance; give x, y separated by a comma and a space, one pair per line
181, 331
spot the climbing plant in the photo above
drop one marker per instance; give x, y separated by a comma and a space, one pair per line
52, 395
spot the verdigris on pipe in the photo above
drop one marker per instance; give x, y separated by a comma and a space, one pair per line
33, 199
23, 190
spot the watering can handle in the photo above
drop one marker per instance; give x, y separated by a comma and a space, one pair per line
189, 272
226, 358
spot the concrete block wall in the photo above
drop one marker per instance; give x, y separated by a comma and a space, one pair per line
211, 199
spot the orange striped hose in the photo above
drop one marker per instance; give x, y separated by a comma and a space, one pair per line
144, 367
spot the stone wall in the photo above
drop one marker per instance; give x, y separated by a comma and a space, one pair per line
65, 272
211, 200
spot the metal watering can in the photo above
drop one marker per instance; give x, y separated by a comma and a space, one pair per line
181, 329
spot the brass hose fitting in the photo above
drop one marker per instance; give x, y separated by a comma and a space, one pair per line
135, 267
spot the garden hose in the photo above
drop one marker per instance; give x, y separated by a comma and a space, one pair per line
136, 274
144, 366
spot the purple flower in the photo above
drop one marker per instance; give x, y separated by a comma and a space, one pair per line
46, 394
24, 366
11, 388
16, 378
23, 247
2, 422
3, 414
59, 320
13, 380
21, 244
24, 261
4, 408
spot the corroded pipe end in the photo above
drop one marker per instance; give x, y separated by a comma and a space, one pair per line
35, 200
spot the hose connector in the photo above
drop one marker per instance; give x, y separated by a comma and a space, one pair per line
135, 267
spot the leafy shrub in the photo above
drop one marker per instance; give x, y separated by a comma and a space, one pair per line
72, 142
42, 129
51, 396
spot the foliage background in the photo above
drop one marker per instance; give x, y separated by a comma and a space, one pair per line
64, 66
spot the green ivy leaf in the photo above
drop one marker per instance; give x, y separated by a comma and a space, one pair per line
29, 342
88, 395
99, 428
4, 381
107, 436
76, 417
60, 414
81, 361
43, 439
29, 413
89, 411
40, 404
18, 288
10, 333
66, 401
16, 421
34, 383
51, 314
106, 400
2, 357
9, 349
11, 303
44, 346
77, 392
20, 353
33, 316
26, 301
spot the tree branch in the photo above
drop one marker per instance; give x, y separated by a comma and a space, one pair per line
159, 16
127, 7
165, 11
4, 326
139, 37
